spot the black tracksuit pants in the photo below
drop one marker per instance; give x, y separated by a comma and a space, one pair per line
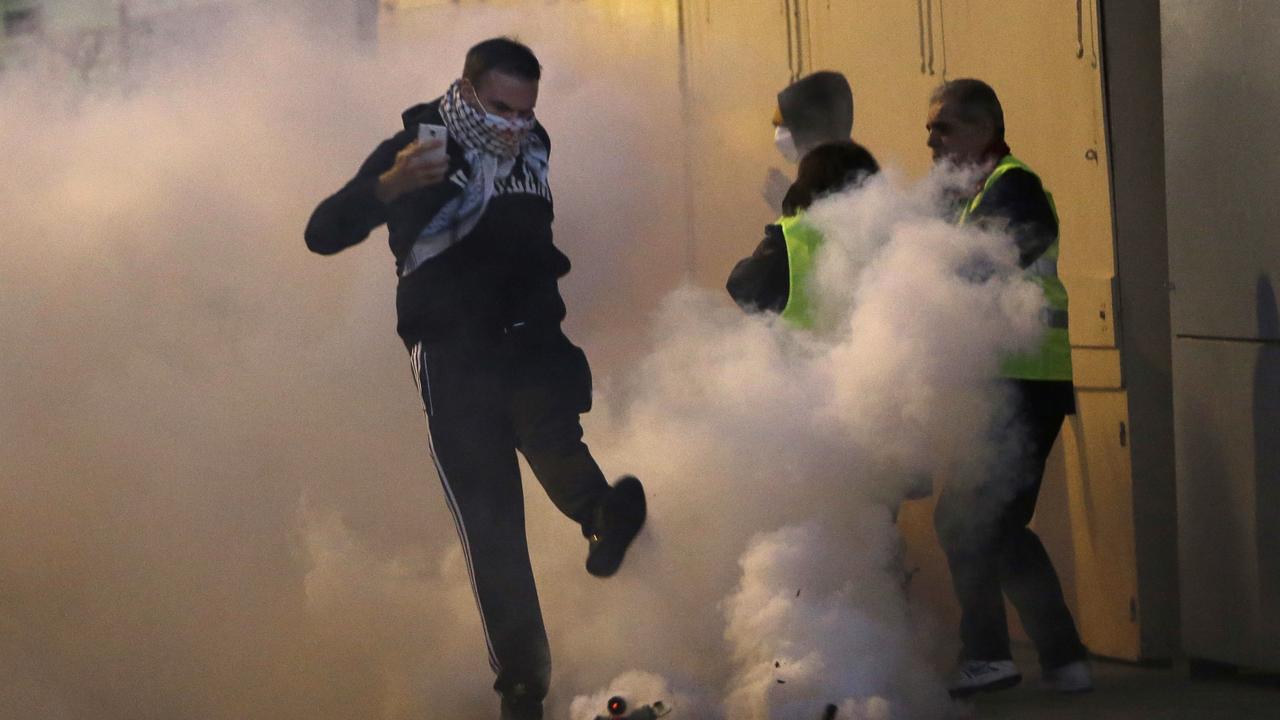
487, 396
983, 529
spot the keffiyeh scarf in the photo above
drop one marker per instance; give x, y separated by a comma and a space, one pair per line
477, 130
492, 146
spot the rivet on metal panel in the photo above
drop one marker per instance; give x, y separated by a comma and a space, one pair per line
1091, 154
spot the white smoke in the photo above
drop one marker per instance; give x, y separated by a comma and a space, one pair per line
637, 688
217, 497
741, 425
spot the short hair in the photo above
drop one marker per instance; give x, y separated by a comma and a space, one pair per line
975, 100
504, 55
827, 169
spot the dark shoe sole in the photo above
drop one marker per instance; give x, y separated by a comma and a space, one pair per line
1002, 684
623, 513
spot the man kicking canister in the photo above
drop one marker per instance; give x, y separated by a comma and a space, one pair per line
479, 309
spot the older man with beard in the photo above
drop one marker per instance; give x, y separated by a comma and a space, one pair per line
983, 525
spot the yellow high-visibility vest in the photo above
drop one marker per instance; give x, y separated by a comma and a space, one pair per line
1052, 361
803, 241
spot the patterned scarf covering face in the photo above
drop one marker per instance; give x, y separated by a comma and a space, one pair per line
477, 130
492, 147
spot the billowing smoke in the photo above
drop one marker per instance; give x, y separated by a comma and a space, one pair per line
777, 459
217, 497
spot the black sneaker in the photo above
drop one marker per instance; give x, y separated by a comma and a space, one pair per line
618, 518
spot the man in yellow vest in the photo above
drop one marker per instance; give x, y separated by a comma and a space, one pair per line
982, 525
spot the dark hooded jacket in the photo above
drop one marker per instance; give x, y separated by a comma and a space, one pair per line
818, 108
503, 273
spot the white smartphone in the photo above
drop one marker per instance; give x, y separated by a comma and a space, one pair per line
428, 133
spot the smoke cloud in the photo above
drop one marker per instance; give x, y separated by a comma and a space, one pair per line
217, 498
777, 458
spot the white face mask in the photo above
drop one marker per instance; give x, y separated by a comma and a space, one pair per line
502, 124
786, 144
478, 129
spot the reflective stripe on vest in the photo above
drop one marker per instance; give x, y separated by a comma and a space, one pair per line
1053, 359
803, 241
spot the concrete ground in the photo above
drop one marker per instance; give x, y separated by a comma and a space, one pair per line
1124, 691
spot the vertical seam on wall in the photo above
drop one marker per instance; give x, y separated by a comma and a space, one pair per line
942, 25
929, 25
920, 23
1093, 32
791, 52
808, 35
1079, 28
684, 25
799, 29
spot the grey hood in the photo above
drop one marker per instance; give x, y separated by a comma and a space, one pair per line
818, 108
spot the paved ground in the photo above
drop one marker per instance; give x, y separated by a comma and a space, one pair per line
1127, 691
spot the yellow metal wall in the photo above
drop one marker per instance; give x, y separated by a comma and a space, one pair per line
736, 56
1044, 61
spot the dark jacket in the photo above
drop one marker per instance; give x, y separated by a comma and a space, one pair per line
1017, 201
502, 273
762, 282
1017, 204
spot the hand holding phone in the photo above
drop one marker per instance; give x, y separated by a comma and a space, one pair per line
437, 138
417, 165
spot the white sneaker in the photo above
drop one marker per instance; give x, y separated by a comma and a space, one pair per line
984, 675
1074, 677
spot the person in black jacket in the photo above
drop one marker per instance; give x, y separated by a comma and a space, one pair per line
762, 282
812, 111
479, 310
